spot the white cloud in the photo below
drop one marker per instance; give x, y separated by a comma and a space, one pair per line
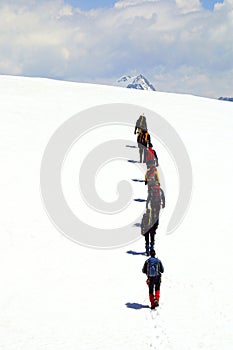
178, 45
66, 11
188, 6
126, 3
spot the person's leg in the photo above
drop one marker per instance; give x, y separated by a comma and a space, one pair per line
152, 238
147, 246
151, 292
140, 152
157, 290
156, 223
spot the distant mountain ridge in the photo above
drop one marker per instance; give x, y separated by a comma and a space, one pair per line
138, 82
226, 99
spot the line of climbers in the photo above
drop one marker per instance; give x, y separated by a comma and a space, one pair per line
152, 267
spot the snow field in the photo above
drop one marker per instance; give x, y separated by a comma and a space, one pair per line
56, 294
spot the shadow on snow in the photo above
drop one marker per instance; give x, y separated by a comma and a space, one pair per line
132, 161
130, 146
139, 200
138, 180
136, 306
132, 252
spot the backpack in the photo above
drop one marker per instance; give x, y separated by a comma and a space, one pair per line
153, 267
140, 135
146, 137
150, 156
141, 122
143, 137
151, 174
144, 223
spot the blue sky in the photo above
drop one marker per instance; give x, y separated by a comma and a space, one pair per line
89, 4
209, 4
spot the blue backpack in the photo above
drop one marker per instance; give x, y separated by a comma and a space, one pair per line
153, 267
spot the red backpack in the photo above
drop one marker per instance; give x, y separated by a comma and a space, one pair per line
150, 156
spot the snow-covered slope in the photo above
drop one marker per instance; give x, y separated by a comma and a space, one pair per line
138, 82
56, 294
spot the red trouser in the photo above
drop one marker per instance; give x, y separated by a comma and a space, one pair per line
154, 286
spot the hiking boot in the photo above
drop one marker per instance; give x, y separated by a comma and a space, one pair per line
156, 303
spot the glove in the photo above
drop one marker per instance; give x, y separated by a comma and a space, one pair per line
145, 182
148, 281
134, 132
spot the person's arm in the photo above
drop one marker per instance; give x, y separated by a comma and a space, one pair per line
157, 176
162, 198
156, 158
148, 140
161, 268
146, 178
135, 130
144, 269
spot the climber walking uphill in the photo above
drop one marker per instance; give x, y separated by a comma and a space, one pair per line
143, 138
156, 197
151, 175
141, 124
143, 141
149, 225
153, 268
151, 156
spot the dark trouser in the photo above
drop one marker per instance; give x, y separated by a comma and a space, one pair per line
142, 150
149, 240
154, 284
154, 290
150, 237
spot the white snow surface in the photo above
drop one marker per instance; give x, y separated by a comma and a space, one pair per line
49, 300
